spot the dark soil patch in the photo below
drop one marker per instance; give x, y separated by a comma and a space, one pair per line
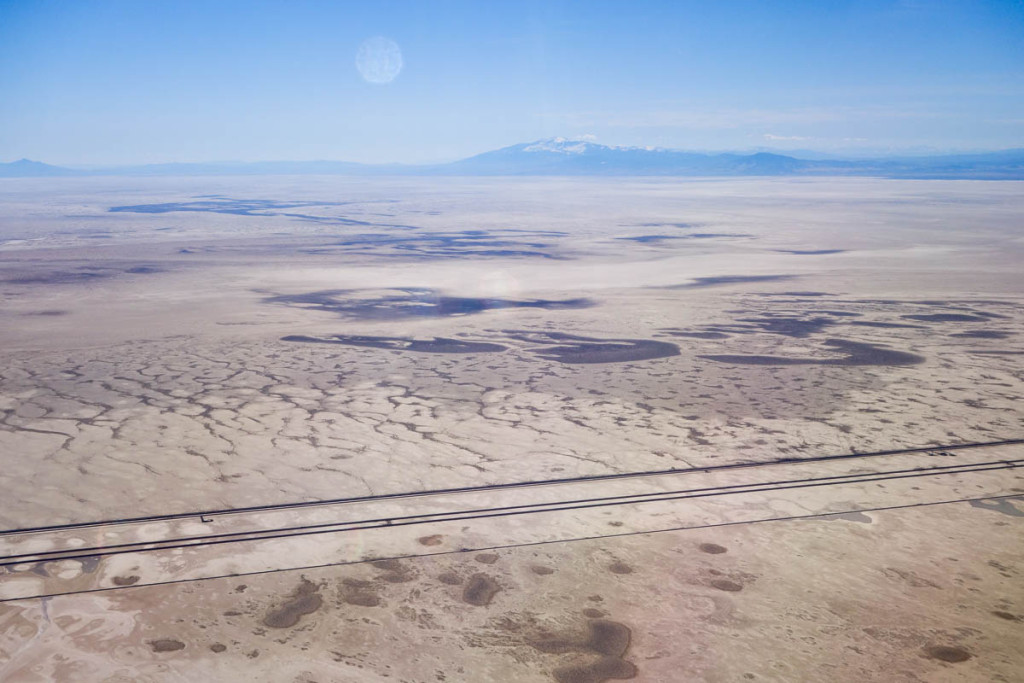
713, 548
389, 565
304, 600
619, 567
810, 252
362, 599
166, 645
727, 585
883, 325
790, 326
729, 280
606, 638
436, 345
480, 590
658, 239
573, 349
947, 653
696, 335
858, 353
983, 334
603, 669
408, 303
1002, 506
946, 318
50, 313
59, 278
436, 539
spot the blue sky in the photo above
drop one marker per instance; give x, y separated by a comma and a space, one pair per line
108, 82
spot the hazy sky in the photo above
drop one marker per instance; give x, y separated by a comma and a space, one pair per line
105, 82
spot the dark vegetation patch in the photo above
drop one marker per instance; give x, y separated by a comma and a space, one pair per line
868, 323
480, 590
60, 277
947, 653
946, 318
727, 585
786, 325
1003, 506
435, 539
795, 294
811, 252
75, 276
858, 353
252, 208
218, 647
983, 334
1006, 615
218, 204
166, 645
49, 313
89, 563
729, 280
620, 567
789, 326
394, 571
486, 558
361, 598
474, 243
436, 345
572, 349
658, 239
399, 304
855, 516
695, 335
713, 548
305, 599
449, 578
541, 570
1002, 352
683, 226
391, 565
605, 638
125, 580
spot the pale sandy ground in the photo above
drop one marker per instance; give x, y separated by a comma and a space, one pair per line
886, 596
144, 372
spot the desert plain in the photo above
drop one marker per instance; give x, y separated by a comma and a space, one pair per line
511, 429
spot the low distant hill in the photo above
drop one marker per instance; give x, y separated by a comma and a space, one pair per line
25, 168
248, 168
565, 157
572, 157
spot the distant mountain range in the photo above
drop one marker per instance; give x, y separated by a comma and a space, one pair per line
565, 157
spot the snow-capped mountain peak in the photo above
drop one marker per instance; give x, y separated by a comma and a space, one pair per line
560, 146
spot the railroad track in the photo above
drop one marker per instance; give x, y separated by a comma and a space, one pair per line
689, 497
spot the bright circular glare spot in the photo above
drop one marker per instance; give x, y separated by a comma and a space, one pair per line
379, 60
